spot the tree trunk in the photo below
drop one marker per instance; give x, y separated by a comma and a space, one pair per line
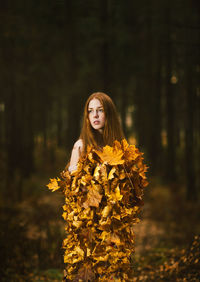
104, 52
191, 191
189, 137
73, 107
170, 92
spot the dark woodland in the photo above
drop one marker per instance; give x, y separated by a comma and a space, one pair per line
146, 56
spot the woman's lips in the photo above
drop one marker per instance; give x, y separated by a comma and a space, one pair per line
96, 122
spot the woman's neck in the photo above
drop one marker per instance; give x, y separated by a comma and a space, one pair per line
99, 138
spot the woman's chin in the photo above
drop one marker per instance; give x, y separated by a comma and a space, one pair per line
99, 129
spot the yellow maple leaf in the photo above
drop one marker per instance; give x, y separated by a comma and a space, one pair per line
53, 185
110, 155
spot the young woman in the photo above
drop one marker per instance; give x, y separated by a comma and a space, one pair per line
101, 126
103, 187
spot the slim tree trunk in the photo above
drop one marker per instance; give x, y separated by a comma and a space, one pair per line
189, 137
191, 191
104, 54
124, 103
59, 121
73, 107
171, 171
155, 150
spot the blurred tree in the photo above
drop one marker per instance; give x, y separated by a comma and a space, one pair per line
170, 98
191, 101
73, 94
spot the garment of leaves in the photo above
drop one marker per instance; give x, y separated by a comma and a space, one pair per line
102, 200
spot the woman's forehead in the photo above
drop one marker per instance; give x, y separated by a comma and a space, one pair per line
94, 103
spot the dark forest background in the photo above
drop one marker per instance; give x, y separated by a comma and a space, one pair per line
53, 55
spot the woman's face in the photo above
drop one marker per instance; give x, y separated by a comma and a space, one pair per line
96, 115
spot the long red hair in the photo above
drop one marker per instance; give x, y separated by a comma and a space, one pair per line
112, 129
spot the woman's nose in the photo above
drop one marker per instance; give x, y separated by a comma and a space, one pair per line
96, 114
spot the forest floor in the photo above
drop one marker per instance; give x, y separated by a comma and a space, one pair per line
167, 241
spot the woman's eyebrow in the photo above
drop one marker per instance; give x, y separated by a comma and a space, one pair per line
97, 108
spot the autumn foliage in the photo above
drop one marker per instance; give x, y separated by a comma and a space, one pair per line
102, 200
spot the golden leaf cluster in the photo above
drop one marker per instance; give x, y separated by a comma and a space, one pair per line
102, 200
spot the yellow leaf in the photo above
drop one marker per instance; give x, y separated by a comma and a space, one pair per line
96, 172
70, 216
90, 222
87, 213
115, 196
106, 211
77, 223
114, 238
104, 235
65, 241
111, 173
125, 144
122, 175
110, 156
88, 252
85, 179
87, 169
101, 258
53, 185
117, 216
74, 256
105, 224
64, 207
131, 153
64, 215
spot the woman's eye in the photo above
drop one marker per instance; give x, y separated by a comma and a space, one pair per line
101, 110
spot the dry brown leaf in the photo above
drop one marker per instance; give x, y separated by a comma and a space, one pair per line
93, 199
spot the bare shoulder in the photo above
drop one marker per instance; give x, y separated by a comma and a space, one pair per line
78, 144
75, 155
